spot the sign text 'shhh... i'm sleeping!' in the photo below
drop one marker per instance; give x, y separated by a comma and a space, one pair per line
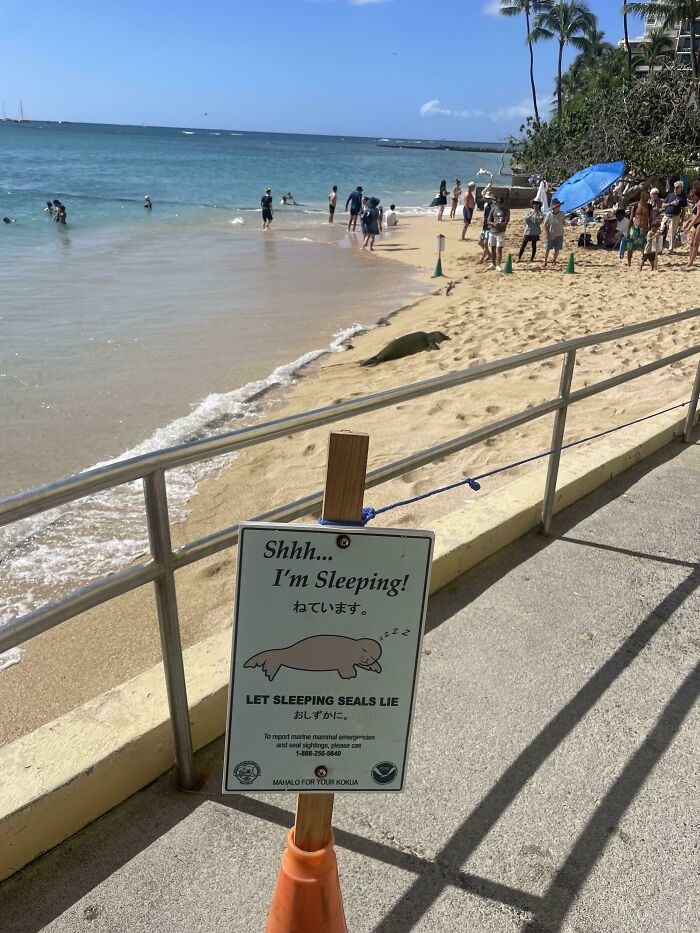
326, 646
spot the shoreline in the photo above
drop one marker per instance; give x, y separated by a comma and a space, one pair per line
487, 316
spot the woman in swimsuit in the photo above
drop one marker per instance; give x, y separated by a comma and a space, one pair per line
442, 198
640, 221
692, 228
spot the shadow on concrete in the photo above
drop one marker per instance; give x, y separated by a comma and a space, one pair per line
581, 861
27, 905
569, 880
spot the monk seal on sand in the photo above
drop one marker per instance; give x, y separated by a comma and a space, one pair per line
407, 346
322, 653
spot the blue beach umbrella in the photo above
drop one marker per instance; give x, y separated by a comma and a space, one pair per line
588, 184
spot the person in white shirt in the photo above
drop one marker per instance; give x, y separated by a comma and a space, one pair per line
390, 218
623, 227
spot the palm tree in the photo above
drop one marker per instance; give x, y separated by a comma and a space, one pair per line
516, 8
672, 13
657, 49
595, 44
567, 21
628, 47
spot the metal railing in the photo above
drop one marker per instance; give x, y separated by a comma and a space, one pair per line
151, 468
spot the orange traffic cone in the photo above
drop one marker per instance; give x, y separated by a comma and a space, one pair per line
307, 896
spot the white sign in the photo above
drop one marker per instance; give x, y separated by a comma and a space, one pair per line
326, 646
440, 243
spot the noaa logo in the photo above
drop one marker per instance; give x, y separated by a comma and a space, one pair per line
385, 772
246, 772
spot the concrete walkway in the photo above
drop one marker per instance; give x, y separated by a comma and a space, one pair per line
555, 775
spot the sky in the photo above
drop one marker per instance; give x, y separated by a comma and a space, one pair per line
450, 69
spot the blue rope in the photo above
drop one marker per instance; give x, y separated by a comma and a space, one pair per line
473, 482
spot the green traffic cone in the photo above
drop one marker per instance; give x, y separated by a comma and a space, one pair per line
508, 268
438, 269
570, 266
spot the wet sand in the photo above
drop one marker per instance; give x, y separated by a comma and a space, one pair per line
487, 316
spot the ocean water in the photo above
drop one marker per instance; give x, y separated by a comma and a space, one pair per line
128, 330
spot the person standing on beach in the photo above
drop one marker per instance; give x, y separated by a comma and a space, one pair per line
456, 195
355, 202
370, 223
640, 220
656, 205
469, 207
266, 205
484, 235
442, 198
554, 229
498, 224
692, 228
332, 202
653, 245
533, 228
674, 205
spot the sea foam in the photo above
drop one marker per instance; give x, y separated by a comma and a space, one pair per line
48, 555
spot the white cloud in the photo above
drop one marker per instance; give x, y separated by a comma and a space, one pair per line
492, 8
521, 110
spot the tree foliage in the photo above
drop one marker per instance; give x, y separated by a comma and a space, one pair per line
651, 123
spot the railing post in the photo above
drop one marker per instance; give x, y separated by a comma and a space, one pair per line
692, 407
567, 372
171, 646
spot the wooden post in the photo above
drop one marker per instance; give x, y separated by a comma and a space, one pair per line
342, 502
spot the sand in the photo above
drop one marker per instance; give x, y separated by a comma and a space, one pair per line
487, 316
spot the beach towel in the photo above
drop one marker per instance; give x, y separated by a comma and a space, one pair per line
542, 196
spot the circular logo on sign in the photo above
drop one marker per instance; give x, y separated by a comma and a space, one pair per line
246, 772
385, 772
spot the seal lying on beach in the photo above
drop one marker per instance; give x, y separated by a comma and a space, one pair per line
321, 653
407, 346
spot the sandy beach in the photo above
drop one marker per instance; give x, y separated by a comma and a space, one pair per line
487, 316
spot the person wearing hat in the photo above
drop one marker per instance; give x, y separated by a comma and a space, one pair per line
266, 205
355, 202
656, 205
487, 195
498, 224
533, 229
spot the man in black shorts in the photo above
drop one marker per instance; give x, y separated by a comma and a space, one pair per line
355, 202
266, 205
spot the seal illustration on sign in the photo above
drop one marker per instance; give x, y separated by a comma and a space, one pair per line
322, 653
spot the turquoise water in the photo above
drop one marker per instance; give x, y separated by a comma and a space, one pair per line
101, 172
128, 330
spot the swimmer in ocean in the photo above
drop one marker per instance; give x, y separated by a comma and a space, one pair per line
147, 202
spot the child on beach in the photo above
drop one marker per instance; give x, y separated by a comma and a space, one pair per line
653, 245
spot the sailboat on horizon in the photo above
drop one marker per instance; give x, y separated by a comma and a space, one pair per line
22, 118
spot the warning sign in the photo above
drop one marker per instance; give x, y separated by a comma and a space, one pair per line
326, 647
